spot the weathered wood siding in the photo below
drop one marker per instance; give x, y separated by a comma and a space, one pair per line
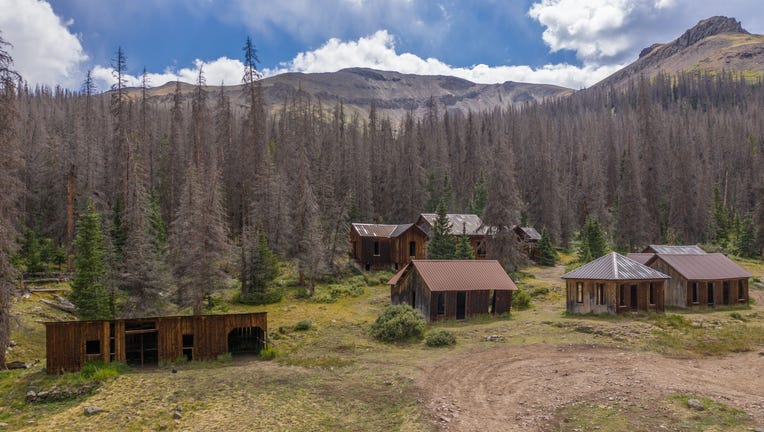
400, 247
363, 251
612, 301
679, 290
67, 342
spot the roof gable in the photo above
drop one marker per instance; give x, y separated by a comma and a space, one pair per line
615, 266
374, 230
641, 258
713, 266
675, 249
471, 222
459, 275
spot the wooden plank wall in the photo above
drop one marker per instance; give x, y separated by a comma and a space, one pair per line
611, 303
400, 247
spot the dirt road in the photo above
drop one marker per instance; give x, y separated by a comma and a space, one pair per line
520, 388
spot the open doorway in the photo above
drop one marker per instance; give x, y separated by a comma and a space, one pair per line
461, 304
141, 343
633, 298
246, 340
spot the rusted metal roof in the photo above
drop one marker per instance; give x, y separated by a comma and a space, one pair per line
641, 258
459, 275
713, 266
676, 249
374, 230
615, 266
471, 222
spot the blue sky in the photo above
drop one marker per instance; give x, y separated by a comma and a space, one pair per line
573, 43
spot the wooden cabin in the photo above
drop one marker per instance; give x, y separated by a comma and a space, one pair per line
614, 284
528, 238
453, 289
702, 280
382, 246
460, 223
147, 341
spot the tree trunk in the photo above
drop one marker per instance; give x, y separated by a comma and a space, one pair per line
69, 218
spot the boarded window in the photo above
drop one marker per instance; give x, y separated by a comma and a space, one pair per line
579, 292
412, 248
441, 303
651, 296
376, 248
93, 347
600, 294
740, 290
695, 292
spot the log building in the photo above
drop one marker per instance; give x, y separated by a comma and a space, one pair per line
147, 341
380, 246
453, 289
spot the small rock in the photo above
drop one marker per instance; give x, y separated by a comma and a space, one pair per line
3, 425
695, 404
179, 408
12, 343
758, 430
174, 370
177, 415
494, 338
388, 383
176, 421
91, 410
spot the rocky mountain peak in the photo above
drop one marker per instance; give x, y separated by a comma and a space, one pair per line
710, 27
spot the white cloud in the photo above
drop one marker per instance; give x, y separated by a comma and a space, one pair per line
378, 51
222, 70
44, 51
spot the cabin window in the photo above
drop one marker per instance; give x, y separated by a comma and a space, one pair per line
482, 251
600, 294
651, 296
93, 347
710, 286
376, 248
579, 292
441, 303
695, 293
622, 296
740, 291
412, 248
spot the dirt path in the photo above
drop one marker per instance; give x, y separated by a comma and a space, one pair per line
519, 388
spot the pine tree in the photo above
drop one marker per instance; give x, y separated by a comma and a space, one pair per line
746, 239
259, 265
89, 294
593, 244
442, 244
547, 254
463, 247
479, 195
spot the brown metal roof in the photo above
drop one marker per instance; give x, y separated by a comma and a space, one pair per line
374, 230
704, 267
615, 266
676, 249
472, 223
641, 258
459, 275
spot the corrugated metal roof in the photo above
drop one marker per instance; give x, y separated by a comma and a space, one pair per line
531, 233
676, 249
472, 223
641, 258
615, 266
704, 267
400, 229
460, 275
374, 230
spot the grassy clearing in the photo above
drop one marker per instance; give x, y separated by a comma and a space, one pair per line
673, 414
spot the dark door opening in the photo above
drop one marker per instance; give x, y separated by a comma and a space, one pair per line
141, 343
493, 302
413, 299
710, 293
412, 249
188, 346
246, 340
633, 297
461, 304
726, 293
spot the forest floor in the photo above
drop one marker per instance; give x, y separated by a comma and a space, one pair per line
544, 371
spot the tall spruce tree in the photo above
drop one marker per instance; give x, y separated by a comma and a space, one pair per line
442, 244
547, 254
259, 266
89, 293
592, 241
463, 247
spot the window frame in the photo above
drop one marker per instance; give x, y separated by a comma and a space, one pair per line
579, 292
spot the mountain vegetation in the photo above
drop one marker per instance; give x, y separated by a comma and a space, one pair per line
674, 159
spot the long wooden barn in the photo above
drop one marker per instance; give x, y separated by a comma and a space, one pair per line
146, 341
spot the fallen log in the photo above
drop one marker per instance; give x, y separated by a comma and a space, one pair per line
61, 303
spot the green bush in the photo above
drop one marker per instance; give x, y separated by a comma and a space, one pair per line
268, 353
260, 297
521, 300
398, 323
100, 371
737, 316
323, 297
303, 325
439, 338
350, 290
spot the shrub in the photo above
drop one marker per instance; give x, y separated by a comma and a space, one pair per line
737, 316
268, 353
260, 297
100, 371
224, 358
398, 323
351, 290
521, 300
323, 297
439, 338
303, 325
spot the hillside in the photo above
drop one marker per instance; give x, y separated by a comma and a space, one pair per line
713, 45
394, 93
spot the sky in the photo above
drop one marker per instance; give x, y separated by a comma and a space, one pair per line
572, 43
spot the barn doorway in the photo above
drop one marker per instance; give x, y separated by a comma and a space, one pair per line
246, 340
633, 298
493, 302
710, 293
726, 293
461, 304
141, 343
